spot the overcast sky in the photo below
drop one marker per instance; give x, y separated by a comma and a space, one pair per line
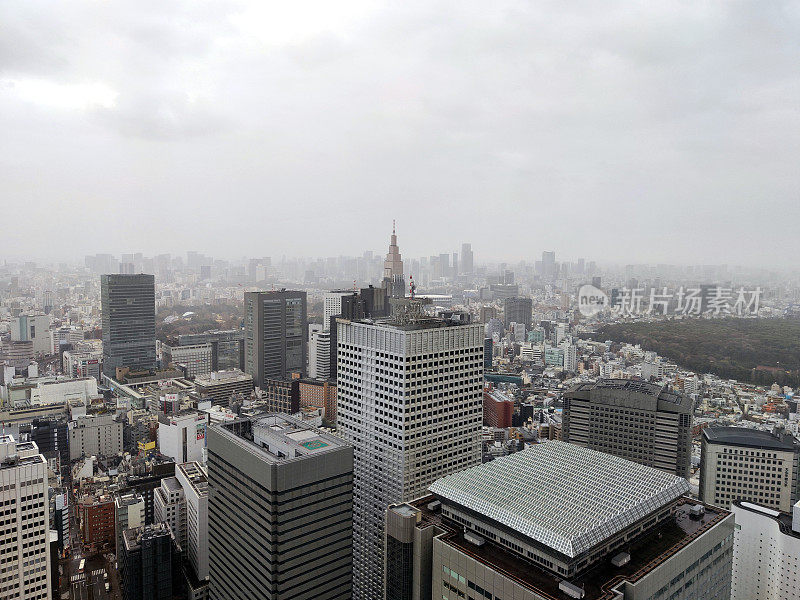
622, 131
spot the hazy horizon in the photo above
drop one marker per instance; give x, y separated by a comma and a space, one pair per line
618, 132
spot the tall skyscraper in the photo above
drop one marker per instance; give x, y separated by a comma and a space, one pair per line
393, 280
766, 553
129, 322
466, 259
275, 329
737, 463
279, 511
643, 422
25, 534
410, 395
558, 521
549, 264
518, 310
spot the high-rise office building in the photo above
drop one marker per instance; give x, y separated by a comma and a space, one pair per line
129, 322
275, 329
393, 279
279, 511
410, 395
219, 386
518, 310
766, 553
194, 481
467, 265
169, 506
25, 534
319, 353
549, 264
557, 521
737, 463
643, 422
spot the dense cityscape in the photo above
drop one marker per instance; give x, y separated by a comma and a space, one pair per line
186, 427
417, 300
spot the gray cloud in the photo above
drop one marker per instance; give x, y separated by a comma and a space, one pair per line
620, 131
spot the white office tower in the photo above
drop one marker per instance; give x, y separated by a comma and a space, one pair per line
333, 306
410, 403
169, 506
194, 481
25, 530
766, 553
319, 354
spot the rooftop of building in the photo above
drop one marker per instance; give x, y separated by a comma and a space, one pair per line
750, 438
195, 476
631, 388
646, 552
225, 376
135, 536
564, 496
278, 437
784, 520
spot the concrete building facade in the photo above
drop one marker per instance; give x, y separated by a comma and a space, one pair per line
766, 553
640, 421
279, 511
737, 463
410, 403
25, 561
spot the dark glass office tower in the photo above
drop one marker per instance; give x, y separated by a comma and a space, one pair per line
129, 322
275, 330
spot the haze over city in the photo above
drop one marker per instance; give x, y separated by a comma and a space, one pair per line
657, 132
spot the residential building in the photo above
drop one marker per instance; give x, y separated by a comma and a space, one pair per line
766, 553
282, 395
279, 511
98, 520
558, 521
497, 408
643, 422
219, 386
275, 334
25, 525
518, 310
129, 322
147, 562
128, 513
182, 436
319, 394
410, 402
737, 463
95, 435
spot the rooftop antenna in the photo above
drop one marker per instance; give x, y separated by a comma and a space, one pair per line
393, 227
354, 285
412, 288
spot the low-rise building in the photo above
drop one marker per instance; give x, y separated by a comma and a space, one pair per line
219, 386
95, 435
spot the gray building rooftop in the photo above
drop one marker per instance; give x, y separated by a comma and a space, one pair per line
564, 496
750, 438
